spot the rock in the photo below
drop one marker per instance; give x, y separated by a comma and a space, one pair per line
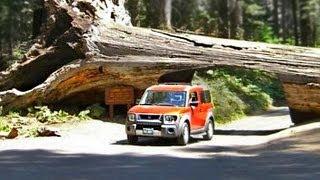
47, 132
13, 133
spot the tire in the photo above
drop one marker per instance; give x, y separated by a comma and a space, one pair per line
183, 139
132, 139
210, 131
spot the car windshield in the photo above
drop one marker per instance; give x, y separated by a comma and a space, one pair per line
164, 98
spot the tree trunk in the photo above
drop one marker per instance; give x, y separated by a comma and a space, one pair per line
167, 13
86, 47
276, 17
235, 19
2, 63
284, 21
295, 22
305, 24
133, 8
223, 19
1, 50
314, 34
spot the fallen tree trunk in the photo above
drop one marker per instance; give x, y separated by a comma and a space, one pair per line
88, 45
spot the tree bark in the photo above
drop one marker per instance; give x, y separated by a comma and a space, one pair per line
235, 19
295, 22
223, 18
84, 49
306, 25
284, 21
167, 13
276, 17
2, 63
133, 8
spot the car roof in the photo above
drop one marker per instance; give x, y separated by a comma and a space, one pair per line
176, 87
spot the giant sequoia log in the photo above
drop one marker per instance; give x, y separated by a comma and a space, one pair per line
87, 45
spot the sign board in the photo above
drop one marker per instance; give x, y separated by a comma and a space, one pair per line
119, 95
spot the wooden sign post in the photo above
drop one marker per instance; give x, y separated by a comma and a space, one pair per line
119, 95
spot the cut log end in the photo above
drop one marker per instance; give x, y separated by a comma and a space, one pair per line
303, 101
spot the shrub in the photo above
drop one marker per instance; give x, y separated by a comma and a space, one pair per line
4, 126
96, 111
44, 115
84, 115
236, 92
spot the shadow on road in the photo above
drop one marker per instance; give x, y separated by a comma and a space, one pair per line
247, 132
283, 111
40, 164
151, 141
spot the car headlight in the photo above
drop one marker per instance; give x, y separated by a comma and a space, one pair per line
131, 117
170, 118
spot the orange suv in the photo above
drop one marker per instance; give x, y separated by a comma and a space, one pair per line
172, 111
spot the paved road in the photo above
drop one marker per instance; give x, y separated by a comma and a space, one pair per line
97, 150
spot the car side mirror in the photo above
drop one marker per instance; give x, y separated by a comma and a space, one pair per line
137, 101
194, 103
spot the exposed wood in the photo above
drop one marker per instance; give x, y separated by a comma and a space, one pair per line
119, 95
111, 111
303, 100
85, 49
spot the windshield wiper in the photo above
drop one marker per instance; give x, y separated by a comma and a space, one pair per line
164, 104
146, 104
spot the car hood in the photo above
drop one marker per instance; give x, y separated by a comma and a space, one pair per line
144, 109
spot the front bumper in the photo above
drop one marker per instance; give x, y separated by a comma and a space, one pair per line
166, 131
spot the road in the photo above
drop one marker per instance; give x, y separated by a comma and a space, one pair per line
98, 150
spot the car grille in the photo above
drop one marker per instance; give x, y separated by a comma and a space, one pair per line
148, 117
155, 127
149, 121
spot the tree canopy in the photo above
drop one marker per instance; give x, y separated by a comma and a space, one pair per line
292, 22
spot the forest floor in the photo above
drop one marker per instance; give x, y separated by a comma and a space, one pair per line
98, 150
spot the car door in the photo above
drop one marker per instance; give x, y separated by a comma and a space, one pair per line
195, 111
204, 107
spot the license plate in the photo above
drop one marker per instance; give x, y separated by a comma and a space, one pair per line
148, 131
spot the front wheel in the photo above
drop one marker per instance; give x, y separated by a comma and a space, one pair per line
210, 131
183, 139
132, 139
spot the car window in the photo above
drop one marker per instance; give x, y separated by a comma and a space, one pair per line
205, 96
164, 98
193, 96
202, 97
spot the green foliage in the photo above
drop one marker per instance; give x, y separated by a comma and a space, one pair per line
4, 126
37, 117
16, 20
264, 81
236, 92
44, 115
96, 111
266, 35
84, 115
13, 114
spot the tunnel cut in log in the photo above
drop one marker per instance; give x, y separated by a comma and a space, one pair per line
87, 45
